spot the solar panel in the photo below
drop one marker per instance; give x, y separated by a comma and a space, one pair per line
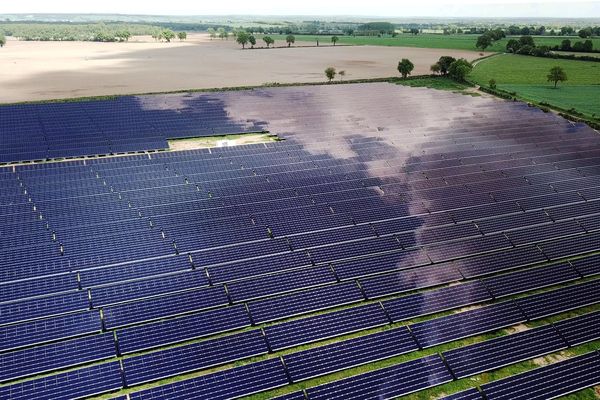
43, 307
582, 329
587, 266
179, 360
293, 304
548, 382
146, 310
496, 353
35, 360
79, 383
429, 302
469, 394
349, 353
280, 283
179, 329
386, 383
560, 300
227, 384
306, 330
518, 282
46, 330
407, 280
468, 323
380, 263
491, 263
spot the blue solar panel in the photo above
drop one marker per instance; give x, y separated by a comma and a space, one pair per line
305, 301
468, 323
429, 302
587, 266
179, 360
43, 307
386, 383
75, 384
349, 353
381, 263
560, 300
548, 382
491, 263
290, 396
306, 330
469, 394
232, 383
407, 280
146, 310
183, 328
280, 283
35, 360
582, 329
496, 353
45, 330
535, 278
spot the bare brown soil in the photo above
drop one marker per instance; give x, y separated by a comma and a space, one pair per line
50, 70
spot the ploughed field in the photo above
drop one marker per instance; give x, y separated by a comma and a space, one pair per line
51, 70
398, 242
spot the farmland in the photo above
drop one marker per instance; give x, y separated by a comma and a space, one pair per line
527, 77
430, 41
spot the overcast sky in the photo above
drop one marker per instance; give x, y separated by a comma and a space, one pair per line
390, 8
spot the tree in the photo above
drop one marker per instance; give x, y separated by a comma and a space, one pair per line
459, 69
330, 73
168, 34
435, 68
182, 35
513, 45
123, 35
222, 33
557, 74
252, 40
405, 67
342, 74
290, 39
268, 40
588, 46
585, 33
2, 40
565, 45
334, 40
483, 42
526, 40
242, 38
444, 62
212, 33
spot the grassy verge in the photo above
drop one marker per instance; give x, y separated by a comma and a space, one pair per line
425, 40
440, 83
207, 142
524, 77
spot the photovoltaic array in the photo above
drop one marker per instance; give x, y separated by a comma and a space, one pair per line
388, 221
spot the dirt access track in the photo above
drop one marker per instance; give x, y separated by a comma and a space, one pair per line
52, 70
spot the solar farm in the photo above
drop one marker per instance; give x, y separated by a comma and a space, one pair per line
395, 242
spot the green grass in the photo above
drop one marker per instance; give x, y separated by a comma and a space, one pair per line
526, 76
431, 41
440, 83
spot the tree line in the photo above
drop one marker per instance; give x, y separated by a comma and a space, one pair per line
100, 32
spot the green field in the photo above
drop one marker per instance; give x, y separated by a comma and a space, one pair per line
433, 41
526, 76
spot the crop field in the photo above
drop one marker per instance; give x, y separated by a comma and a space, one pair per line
527, 77
432, 41
51, 70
